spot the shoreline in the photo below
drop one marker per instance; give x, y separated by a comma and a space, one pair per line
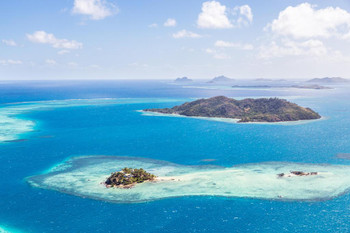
231, 120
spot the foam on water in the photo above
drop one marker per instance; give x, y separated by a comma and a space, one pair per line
12, 125
85, 176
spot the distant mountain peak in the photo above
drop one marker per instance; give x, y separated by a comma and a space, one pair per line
183, 79
221, 79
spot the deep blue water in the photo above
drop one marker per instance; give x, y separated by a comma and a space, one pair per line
120, 130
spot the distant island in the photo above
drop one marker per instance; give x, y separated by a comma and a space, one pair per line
221, 79
246, 110
314, 86
269, 80
329, 80
128, 178
183, 80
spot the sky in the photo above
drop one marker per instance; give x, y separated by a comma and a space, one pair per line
166, 39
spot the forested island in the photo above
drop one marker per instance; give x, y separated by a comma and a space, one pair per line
128, 177
246, 110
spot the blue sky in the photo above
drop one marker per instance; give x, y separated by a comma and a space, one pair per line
105, 39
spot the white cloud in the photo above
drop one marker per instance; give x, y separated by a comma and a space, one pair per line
153, 25
303, 31
46, 38
245, 15
170, 23
95, 9
215, 15
9, 42
61, 52
315, 48
10, 62
225, 44
246, 11
185, 33
304, 21
217, 55
50, 62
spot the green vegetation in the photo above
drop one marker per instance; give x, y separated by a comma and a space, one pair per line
247, 110
128, 177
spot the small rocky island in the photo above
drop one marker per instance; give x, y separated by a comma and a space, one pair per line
313, 86
183, 80
246, 110
221, 79
128, 178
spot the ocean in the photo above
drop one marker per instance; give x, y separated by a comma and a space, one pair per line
44, 123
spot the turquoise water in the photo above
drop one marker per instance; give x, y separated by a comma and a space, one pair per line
84, 176
118, 129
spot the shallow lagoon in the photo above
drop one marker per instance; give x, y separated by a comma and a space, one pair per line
84, 176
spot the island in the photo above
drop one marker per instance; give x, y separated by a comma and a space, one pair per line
183, 80
128, 178
246, 110
329, 80
297, 173
221, 79
313, 86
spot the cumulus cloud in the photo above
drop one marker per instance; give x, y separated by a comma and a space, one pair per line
170, 23
95, 9
225, 44
10, 62
245, 15
185, 33
46, 38
304, 21
215, 15
9, 42
303, 30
